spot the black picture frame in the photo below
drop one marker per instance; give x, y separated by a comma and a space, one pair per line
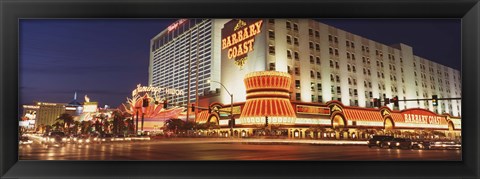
11, 11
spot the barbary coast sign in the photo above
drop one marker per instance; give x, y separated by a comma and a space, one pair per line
240, 42
422, 119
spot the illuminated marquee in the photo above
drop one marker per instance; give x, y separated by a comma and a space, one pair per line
241, 41
313, 110
157, 90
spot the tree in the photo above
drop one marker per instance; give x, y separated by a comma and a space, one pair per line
57, 126
67, 120
174, 124
118, 122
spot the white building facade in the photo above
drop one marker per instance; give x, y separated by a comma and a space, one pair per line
326, 64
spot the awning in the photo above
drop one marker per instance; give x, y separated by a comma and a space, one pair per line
202, 117
362, 115
397, 117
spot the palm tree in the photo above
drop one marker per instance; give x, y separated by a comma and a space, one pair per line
67, 119
57, 125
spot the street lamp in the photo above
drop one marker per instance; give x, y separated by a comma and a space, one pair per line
231, 104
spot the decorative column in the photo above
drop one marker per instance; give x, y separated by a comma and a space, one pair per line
268, 95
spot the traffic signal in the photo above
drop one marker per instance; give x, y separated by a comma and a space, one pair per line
145, 102
193, 108
387, 101
435, 100
266, 121
165, 104
395, 101
376, 102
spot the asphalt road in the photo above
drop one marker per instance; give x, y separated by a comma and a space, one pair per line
202, 149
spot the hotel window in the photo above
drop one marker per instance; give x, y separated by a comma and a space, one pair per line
271, 50
364, 71
363, 48
339, 91
272, 66
347, 43
313, 98
353, 56
296, 56
330, 50
354, 81
370, 94
352, 44
297, 71
312, 61
348, 67
318, 75
381, 64
289, 70
310, 32
319, 86
289, 54
289, 25
317, 34
319, 99
336, 65
336, 52
369, 72
297, 84
289, 39
318, 60
348, 55
312, 86
295, 27
332, 89
349, 81
312, 74
330, 38
271, 34
365, 84
297, 96
338, 78
354, 70
317, 47
295, 41
310, 44
331, 63
331, 78
335, 39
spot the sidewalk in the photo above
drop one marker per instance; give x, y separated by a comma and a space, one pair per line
259, 141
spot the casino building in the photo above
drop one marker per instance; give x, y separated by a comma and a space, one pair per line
311, 79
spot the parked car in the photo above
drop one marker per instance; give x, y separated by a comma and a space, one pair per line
83, 139
445, 145
425, 145
379, 141
401, 143
55, 137
119, 137
24, 141
103, 138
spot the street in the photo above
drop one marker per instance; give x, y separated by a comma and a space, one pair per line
228, 149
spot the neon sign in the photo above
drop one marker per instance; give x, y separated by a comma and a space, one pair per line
241, 41
422, 119
157, 90
176, 24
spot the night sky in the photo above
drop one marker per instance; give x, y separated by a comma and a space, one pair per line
106, 59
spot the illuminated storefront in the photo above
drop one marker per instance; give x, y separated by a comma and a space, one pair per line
269, 111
